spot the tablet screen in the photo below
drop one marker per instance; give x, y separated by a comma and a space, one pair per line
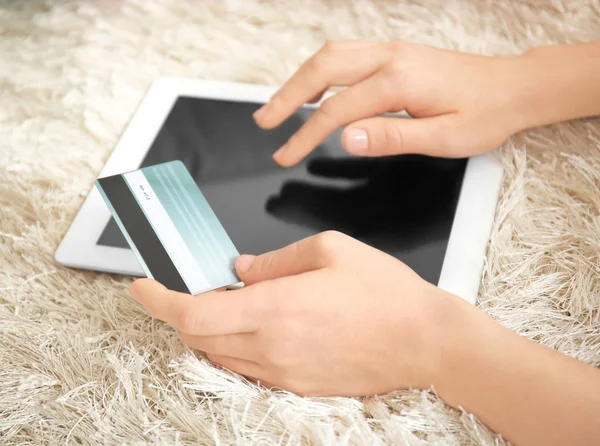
402, 205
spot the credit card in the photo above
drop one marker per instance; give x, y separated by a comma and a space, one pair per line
171, 228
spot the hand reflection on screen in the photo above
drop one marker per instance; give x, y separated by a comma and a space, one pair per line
404, 199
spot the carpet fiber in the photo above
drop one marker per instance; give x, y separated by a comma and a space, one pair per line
80, 361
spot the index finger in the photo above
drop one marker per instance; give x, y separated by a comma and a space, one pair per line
366, 99
335, 64
208, 314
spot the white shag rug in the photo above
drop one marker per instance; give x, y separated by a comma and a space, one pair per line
80, 361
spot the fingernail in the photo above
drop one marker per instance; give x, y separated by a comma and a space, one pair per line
258, 114
244, 262
357, 141
279, 153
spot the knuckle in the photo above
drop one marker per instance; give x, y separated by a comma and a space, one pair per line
333, 237
393, 138
187, 321
393, 70
270, 261
318, 64
328, 109
397, 46
296, 249
392, 85
328, 243
264, 263
330, 45
450, 143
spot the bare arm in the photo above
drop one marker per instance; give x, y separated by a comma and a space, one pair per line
559, 83
531, 394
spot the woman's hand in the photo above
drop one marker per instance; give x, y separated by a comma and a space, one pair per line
325, 316
332, 316
464, 104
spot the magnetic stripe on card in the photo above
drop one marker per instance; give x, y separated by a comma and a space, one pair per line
140, 233
165, 229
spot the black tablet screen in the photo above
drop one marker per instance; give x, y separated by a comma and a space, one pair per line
402, 205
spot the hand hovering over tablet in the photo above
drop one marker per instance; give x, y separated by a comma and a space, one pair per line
463, 104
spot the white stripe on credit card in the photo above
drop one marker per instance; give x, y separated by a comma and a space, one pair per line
165, 229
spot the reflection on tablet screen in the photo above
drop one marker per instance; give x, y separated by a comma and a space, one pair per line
402, 205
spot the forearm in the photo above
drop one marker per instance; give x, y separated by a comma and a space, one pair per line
525, 391
557, 83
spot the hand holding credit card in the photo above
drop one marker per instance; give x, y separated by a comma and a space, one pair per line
171, 228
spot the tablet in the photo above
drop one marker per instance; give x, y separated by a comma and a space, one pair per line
433, 214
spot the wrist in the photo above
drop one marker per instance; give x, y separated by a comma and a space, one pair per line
447, 336
469, 338
525, 391
555, 83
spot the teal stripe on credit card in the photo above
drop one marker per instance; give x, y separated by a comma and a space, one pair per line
207, 246
194, 219
197, 236
205, 220
205, 216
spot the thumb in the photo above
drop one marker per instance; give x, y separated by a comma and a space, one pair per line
297, 258
144, 287
393, 136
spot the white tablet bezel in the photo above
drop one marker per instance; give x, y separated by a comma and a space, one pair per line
465, 254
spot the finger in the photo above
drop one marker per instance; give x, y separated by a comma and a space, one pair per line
392, 136
336, 63
348, 168
297, 258
213, 313
241, 346
240, 366
365, 99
